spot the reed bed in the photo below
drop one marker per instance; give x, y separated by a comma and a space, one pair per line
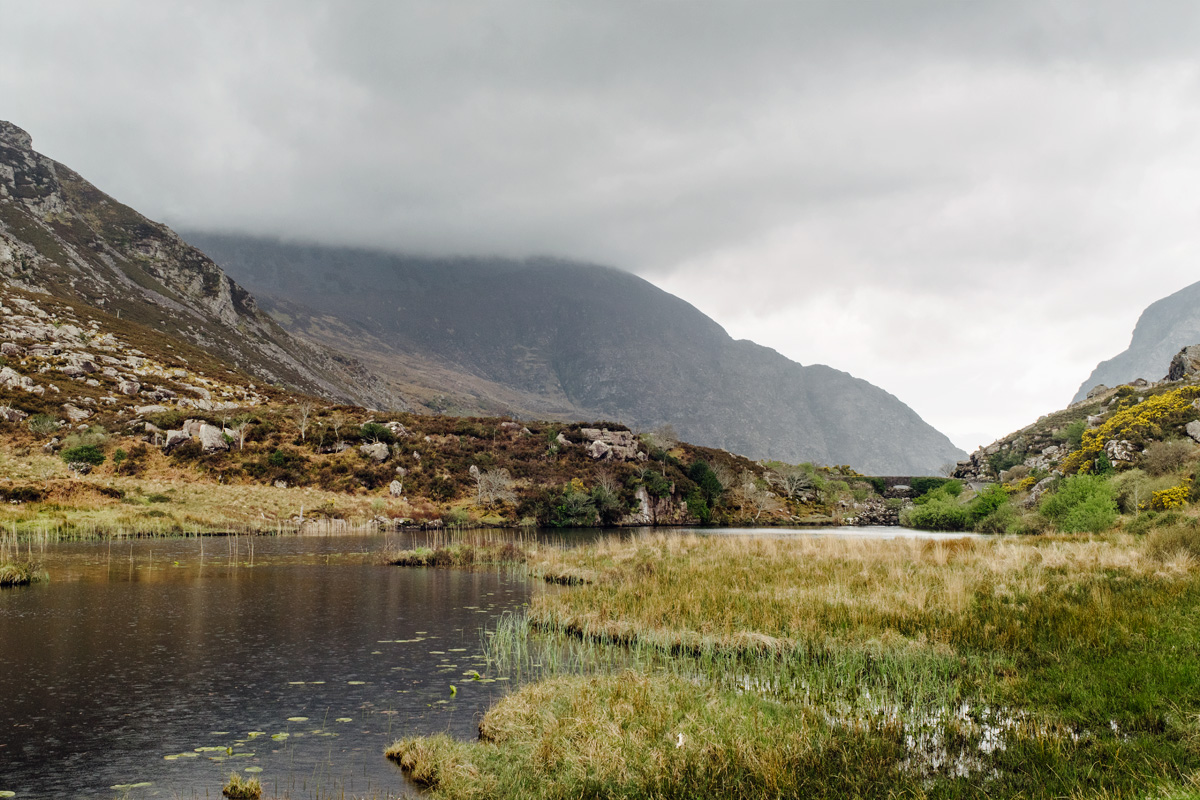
1047, 667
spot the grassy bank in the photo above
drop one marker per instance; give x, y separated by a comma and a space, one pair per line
1044, 667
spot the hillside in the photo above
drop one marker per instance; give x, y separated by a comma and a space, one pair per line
547, 338
62, 236
1165, 327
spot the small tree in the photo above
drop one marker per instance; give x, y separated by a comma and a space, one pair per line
304, 411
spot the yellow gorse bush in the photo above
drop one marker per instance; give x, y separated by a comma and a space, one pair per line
1138, 422
1175, 497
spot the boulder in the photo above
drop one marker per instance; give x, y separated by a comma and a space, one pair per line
11, 379
395, 488
612, 445
192, 427
1185, 364
1193, 429
212, 438
175, 439
1120, 451
376, 450
12, 350
79, 467
129, 388
9, 414
144, 410
74, 413
1096, 390
1094, 420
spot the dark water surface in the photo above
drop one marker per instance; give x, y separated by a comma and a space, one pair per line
136, 652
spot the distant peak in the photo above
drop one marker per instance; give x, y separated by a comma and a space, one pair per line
12, 135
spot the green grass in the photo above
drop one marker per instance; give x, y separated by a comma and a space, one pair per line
1045, 667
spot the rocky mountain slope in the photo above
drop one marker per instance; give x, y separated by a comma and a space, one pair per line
574, 341
1164, 327
62, 236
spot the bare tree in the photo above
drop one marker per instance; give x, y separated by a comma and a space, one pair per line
606, 481
337, 422
303, 412
789, 480
492, 486
755, 498
241, 428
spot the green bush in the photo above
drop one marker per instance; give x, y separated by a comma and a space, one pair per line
1082, 504
42, 424
923, 485
1072, 434
83, 453
374, 432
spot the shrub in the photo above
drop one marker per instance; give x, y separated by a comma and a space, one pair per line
239, 788
1003, 519
1082, 503
83, 453
42, 424
1072, 433
924, 485
1175, 497
374, 432
1134, 489
1164, 457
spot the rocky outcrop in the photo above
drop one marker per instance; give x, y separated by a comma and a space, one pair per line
1185, 363
606, 445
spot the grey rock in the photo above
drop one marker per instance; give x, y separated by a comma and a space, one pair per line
175, 439
1193, 429
1185, 363
74, 413
79, 467
212, 438
376, 450
1094, 420
1038, 490
1120, 451
155, 409
1096, 390
129, 388
395, 488
13, 415
12, 350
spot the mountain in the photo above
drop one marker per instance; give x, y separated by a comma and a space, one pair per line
61, 236
1165, 327
543, 337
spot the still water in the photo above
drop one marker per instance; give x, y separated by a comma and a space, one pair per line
155, 668
136, 654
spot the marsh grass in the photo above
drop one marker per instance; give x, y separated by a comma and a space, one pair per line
239, 788
1051, 667
21, 573
462, 549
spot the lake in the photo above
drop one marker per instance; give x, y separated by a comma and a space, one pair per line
156, 667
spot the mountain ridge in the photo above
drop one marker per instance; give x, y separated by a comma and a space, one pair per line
587, 341
1163, 329
62, 236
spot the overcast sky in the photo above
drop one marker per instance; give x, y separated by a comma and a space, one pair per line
966, 203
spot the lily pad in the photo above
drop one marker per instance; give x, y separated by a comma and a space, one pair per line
123, 787
356, 683
209, 749
279, 737
297, 719
7, 793
343, 719
252, 769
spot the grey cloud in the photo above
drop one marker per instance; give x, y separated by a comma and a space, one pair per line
777, 154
